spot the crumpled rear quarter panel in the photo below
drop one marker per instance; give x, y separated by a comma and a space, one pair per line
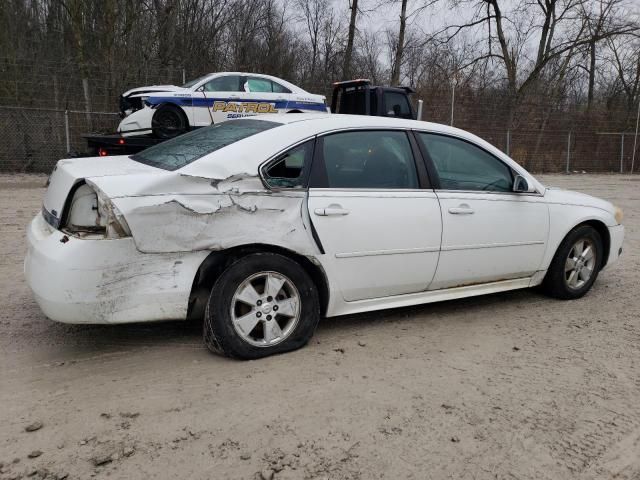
236, 212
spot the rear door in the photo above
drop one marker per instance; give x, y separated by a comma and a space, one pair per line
375, 214
269, 96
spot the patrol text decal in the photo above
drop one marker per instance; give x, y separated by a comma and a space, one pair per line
244, 107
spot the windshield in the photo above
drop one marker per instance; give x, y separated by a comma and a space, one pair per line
193, 82
180, 151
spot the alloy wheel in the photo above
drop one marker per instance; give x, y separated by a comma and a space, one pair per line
580, 264
265, 309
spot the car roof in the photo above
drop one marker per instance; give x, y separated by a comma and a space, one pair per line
282, 81
290, 129
323, 122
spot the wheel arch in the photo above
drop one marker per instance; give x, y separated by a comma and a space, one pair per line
599, 227
602, 229
217, 262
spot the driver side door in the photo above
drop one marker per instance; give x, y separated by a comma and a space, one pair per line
218, 100
489, 232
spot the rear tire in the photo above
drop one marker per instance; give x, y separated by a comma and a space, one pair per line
169, 121
261, 305
576, 264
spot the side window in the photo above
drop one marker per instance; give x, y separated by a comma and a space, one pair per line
463, 166
397, 105
228, 83
288, 170
259, 84
279, 88
369, 159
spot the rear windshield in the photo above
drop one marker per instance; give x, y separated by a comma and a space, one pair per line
180, 151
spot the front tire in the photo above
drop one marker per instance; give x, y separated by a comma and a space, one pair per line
576, 264
169, 122
262, 304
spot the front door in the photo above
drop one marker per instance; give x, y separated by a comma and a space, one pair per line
217, 100
490, 233
375, 215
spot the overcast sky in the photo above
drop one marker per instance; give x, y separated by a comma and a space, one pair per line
378, 15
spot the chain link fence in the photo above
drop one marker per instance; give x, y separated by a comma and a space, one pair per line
34, 139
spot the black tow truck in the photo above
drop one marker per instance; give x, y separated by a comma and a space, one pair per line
353, 97
359, 97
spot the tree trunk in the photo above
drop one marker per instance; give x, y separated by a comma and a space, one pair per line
592, 73
397, 62
346, 68
87, 100
76, 12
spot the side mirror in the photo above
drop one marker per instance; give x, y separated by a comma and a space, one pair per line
520, 185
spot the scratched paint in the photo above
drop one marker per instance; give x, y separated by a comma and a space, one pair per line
214, 214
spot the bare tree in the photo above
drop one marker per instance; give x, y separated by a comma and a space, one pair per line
397, 60
604, 19
625, 60
400, 42
348, 53
558, 28
76, 9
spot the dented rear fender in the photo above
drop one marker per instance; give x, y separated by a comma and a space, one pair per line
182, 223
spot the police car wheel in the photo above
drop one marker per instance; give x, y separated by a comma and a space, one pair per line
168, 122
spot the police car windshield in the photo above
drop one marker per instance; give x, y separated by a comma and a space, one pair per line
180, 151
193, 82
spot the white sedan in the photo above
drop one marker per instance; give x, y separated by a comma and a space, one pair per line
261, 226
167, 111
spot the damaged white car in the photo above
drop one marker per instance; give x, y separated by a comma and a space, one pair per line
261, 226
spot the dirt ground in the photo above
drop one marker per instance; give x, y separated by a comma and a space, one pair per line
507, 386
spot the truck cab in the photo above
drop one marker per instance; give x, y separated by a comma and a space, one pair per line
359, 97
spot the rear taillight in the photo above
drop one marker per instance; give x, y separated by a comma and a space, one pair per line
91, 213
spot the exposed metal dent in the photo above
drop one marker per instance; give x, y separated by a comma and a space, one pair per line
195, 208
184, 223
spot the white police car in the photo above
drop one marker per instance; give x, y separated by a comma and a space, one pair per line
167, 110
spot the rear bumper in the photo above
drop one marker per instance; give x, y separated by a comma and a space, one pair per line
105, 281
616, 234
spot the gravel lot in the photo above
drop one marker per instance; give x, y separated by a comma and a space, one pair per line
507, 386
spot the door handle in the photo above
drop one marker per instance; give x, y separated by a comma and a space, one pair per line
331, 210
462, 209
